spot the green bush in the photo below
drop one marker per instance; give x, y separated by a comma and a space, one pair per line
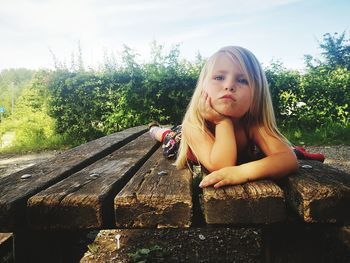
90, 104
34, 130
75, 106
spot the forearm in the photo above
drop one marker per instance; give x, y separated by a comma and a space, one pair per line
224, 150
273, 166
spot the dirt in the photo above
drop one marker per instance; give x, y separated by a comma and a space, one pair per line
337, 156
176, 245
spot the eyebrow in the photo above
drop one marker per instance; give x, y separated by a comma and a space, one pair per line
221, 71
226, 72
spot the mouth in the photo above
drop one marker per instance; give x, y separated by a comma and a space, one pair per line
230, 97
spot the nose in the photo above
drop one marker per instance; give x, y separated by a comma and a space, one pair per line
231, 87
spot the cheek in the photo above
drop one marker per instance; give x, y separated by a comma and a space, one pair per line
246, 97
212, 91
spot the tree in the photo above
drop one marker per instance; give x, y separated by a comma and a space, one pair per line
335, 52
12, 82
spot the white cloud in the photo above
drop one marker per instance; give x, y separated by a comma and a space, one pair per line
31, 26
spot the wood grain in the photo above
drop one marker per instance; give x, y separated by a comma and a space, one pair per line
259, 202
319, 194
85, 199
16, 191
153, 200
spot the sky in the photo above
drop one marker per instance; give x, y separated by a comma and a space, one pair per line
283, 30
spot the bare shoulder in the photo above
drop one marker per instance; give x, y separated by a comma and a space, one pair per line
268, 141
194, 134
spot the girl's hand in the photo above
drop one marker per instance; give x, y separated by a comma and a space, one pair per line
226, 176
207, 111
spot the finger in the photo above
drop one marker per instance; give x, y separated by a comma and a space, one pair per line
204, 106
221, 183
208, 102
212, 107
210, 179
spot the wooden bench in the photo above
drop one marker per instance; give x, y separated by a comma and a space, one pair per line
122, 184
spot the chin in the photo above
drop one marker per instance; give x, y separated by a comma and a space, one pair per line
230, 113
224, 110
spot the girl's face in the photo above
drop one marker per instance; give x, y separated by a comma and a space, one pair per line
228, 88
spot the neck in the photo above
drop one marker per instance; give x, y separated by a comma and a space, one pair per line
235, 121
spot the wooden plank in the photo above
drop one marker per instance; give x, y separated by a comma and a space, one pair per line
85, 199
4, 237
16, 191
259, 202
319, 194
6, 248
154, 200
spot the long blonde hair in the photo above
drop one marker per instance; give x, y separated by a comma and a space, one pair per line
260, 112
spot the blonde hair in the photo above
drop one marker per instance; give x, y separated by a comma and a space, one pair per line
260, 112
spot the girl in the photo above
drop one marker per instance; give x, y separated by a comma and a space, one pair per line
229, 113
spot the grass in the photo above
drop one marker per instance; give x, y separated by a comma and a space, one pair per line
37, 144
154, 253
330, 134
33, 133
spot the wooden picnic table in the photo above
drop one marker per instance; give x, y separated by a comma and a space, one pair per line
122, 181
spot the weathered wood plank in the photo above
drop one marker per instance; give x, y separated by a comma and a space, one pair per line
85, 199
6, 248
154, 200
259, 202
319, 194
16, 191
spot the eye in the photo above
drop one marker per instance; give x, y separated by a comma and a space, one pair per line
243, 81
219, 77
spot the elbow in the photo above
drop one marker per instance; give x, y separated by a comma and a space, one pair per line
219, 160
293, 163
212, 168
290, 162
290, 167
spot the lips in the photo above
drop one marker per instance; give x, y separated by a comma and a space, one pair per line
228, 97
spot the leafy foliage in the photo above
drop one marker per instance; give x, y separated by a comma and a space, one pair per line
12, 82
77, 105
89, 104
153, 254
335, 53
33, 128
321, 96
336, 50
285, 91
